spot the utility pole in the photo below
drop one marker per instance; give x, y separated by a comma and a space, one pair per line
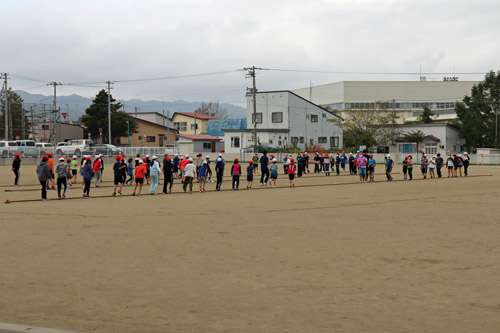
54, 109
6, 108
109, 112
251, 73
496, 127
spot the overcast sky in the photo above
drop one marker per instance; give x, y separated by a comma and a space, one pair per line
72, 41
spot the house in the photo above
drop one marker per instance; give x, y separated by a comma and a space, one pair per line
191, 123
63, 131
150, 134
199, 143
153, 117
440, 138
284, 119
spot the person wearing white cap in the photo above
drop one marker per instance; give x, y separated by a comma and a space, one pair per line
74, 168
189, 174
209, 170
423, 165
274, 171
96, 168
62, 171
219, 171
389, 164
352, 167
432, 166
466, 160
155, 175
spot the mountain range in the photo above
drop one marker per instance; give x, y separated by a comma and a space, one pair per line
75, 105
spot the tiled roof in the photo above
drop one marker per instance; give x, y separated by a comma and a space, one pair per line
199, 137
196, 115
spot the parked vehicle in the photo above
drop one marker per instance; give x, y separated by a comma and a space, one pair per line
26, 148
8, 148
77, 147
107, 149
43, 148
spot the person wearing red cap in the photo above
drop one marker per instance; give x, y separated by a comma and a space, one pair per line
69, 174
250, 175
16, 165
371, 167
62, 172
235, 173
343, 161
140, 171
50, 161
291, 172
96, 168
168, 175
118, 175
405, 168
87, 177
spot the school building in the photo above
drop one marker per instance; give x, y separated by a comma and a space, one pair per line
191, 123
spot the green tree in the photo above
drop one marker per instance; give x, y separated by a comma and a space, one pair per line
415, 137
477, 116
426, 116
18, 122
96, 116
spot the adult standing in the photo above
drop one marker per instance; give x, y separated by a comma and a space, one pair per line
155, 175
466, 163
16, 166
264, 161
168, 175
43, 173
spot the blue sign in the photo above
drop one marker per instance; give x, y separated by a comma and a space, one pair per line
100, 130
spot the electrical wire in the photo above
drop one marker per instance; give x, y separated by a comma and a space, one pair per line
374, 73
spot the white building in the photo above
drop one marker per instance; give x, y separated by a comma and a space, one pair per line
405, 97
439, 138
285, 119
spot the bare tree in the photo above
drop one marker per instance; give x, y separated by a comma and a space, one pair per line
212, 109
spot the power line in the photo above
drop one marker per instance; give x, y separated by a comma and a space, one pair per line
373, 73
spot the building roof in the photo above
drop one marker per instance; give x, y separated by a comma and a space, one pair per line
154, 124
276, 130
195, 115
216, 127
198, 137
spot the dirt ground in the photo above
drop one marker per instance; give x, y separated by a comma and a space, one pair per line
418, 256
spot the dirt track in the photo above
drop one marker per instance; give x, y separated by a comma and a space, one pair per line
383, 257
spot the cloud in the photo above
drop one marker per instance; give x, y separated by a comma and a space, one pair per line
87, 41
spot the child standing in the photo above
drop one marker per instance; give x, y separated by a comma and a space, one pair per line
61, 171
432, 165
202, 175
450, 165
140, 170
130, 172
274, 171
118, 178
154, 174
87, 176
74, 168
255, 160
405, 168
423, 165
326, 162
235, 173
371, 168
291, 172
219, 171
16, 165
96, 168
388, 167
250, 170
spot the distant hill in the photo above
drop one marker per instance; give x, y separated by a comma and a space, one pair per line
75, 105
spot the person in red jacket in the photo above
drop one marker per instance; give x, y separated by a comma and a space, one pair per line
235, 173
96, 167
291, 172
140, 171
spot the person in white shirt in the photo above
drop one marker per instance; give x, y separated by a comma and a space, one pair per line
432, 165
189, 173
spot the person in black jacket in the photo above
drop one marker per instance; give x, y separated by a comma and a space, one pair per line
168, 175
16, 165
219, 171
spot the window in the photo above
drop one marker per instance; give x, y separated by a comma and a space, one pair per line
302, 139
324, 115
295, 139
140, 137
277, 117
181, 126
45, 127
334, 141
314, 118
194, 126
150, 139
322, 139
259, 118
235, 141
207, 145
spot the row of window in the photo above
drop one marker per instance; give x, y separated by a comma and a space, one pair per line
334, 140
148, 138
391, 105
182, 126
277, 117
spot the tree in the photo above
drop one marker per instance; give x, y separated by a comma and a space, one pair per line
368, 127
212, 109
477, 116
96, 116
426, 116
415, 137
18, 122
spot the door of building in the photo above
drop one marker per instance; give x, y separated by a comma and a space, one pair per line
213, 146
